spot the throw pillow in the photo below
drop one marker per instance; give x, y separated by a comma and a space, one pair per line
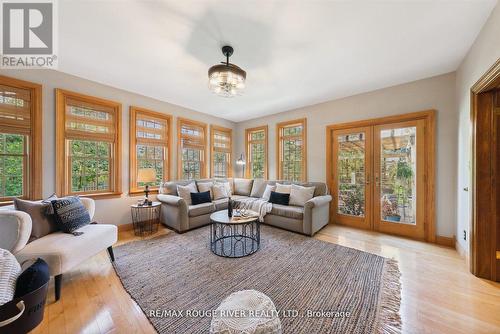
34, 277
70, 214
279, 198
267, 193
300, 195
42, 223
227, 186
202, 197
185, 192
283, 188
206, 186
220, 191
258, 187
9, 272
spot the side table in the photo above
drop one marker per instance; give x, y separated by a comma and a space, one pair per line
146, 218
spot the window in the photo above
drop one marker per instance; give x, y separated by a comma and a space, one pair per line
149, 146
20, 139
88, 146
256, 152
191, 149
221, 141
292, 154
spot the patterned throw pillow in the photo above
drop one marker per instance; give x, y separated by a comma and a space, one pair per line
9, 272
70, 214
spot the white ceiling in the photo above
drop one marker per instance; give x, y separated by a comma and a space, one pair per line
296, 53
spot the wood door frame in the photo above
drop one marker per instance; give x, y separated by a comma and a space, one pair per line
482, 248
354, 220
430, 138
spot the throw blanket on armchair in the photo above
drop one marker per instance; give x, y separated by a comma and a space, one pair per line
259, 205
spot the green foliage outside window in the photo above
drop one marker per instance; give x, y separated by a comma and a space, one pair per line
12, 156
90, 165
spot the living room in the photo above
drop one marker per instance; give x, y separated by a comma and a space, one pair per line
335, 171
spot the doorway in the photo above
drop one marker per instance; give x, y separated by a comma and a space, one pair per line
485, 228
381, 174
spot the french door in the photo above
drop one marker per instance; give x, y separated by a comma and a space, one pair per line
378, 175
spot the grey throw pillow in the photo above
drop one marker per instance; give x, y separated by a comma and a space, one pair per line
70, 214
43, 223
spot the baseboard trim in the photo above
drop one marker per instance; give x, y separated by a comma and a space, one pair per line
446, 241
125, 227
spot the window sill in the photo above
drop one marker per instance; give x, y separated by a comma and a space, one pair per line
100, 195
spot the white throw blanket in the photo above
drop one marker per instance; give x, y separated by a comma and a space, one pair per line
259, 205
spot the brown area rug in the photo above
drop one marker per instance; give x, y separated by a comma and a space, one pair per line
178, 272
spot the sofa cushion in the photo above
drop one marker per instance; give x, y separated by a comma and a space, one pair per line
295, 212
200, 198
70, 214
205, 186
201, 209
42, 223
185, 191
34, 277
9, 272
170, 187
243, 186
219, 191
63, 251
220, 204
279, 198
300, 195
258, 187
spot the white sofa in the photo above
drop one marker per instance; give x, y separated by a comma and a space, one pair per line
61, 251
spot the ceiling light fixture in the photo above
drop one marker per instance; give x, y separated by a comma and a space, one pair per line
226, 79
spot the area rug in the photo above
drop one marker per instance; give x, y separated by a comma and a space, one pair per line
317, 287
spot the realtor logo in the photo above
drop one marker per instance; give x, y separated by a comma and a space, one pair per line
28, 34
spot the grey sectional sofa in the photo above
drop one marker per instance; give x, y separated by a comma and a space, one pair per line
181, 217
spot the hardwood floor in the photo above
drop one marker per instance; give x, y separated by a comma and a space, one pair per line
439, 295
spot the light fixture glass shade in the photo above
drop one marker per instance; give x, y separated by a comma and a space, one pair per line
226, 80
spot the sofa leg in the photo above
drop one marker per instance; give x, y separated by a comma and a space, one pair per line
111, 254
58, 283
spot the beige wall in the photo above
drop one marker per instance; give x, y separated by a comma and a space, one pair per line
432, 93
115, 211
482, 55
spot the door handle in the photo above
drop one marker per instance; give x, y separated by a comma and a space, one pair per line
367, 179
377, 181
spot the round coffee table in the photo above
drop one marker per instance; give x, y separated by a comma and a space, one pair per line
234, 237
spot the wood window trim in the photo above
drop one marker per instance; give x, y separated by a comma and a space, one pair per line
180, 121
62, 174
133, 111
430, 140
248, 132
280, 126
34, 175
214, 128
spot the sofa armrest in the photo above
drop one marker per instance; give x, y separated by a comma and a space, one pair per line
89, 204
174, 212
318, 201
316, 214
15, 230
172, 200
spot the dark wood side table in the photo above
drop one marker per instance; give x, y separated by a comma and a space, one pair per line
146, 218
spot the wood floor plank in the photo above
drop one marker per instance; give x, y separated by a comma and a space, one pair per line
439, 295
